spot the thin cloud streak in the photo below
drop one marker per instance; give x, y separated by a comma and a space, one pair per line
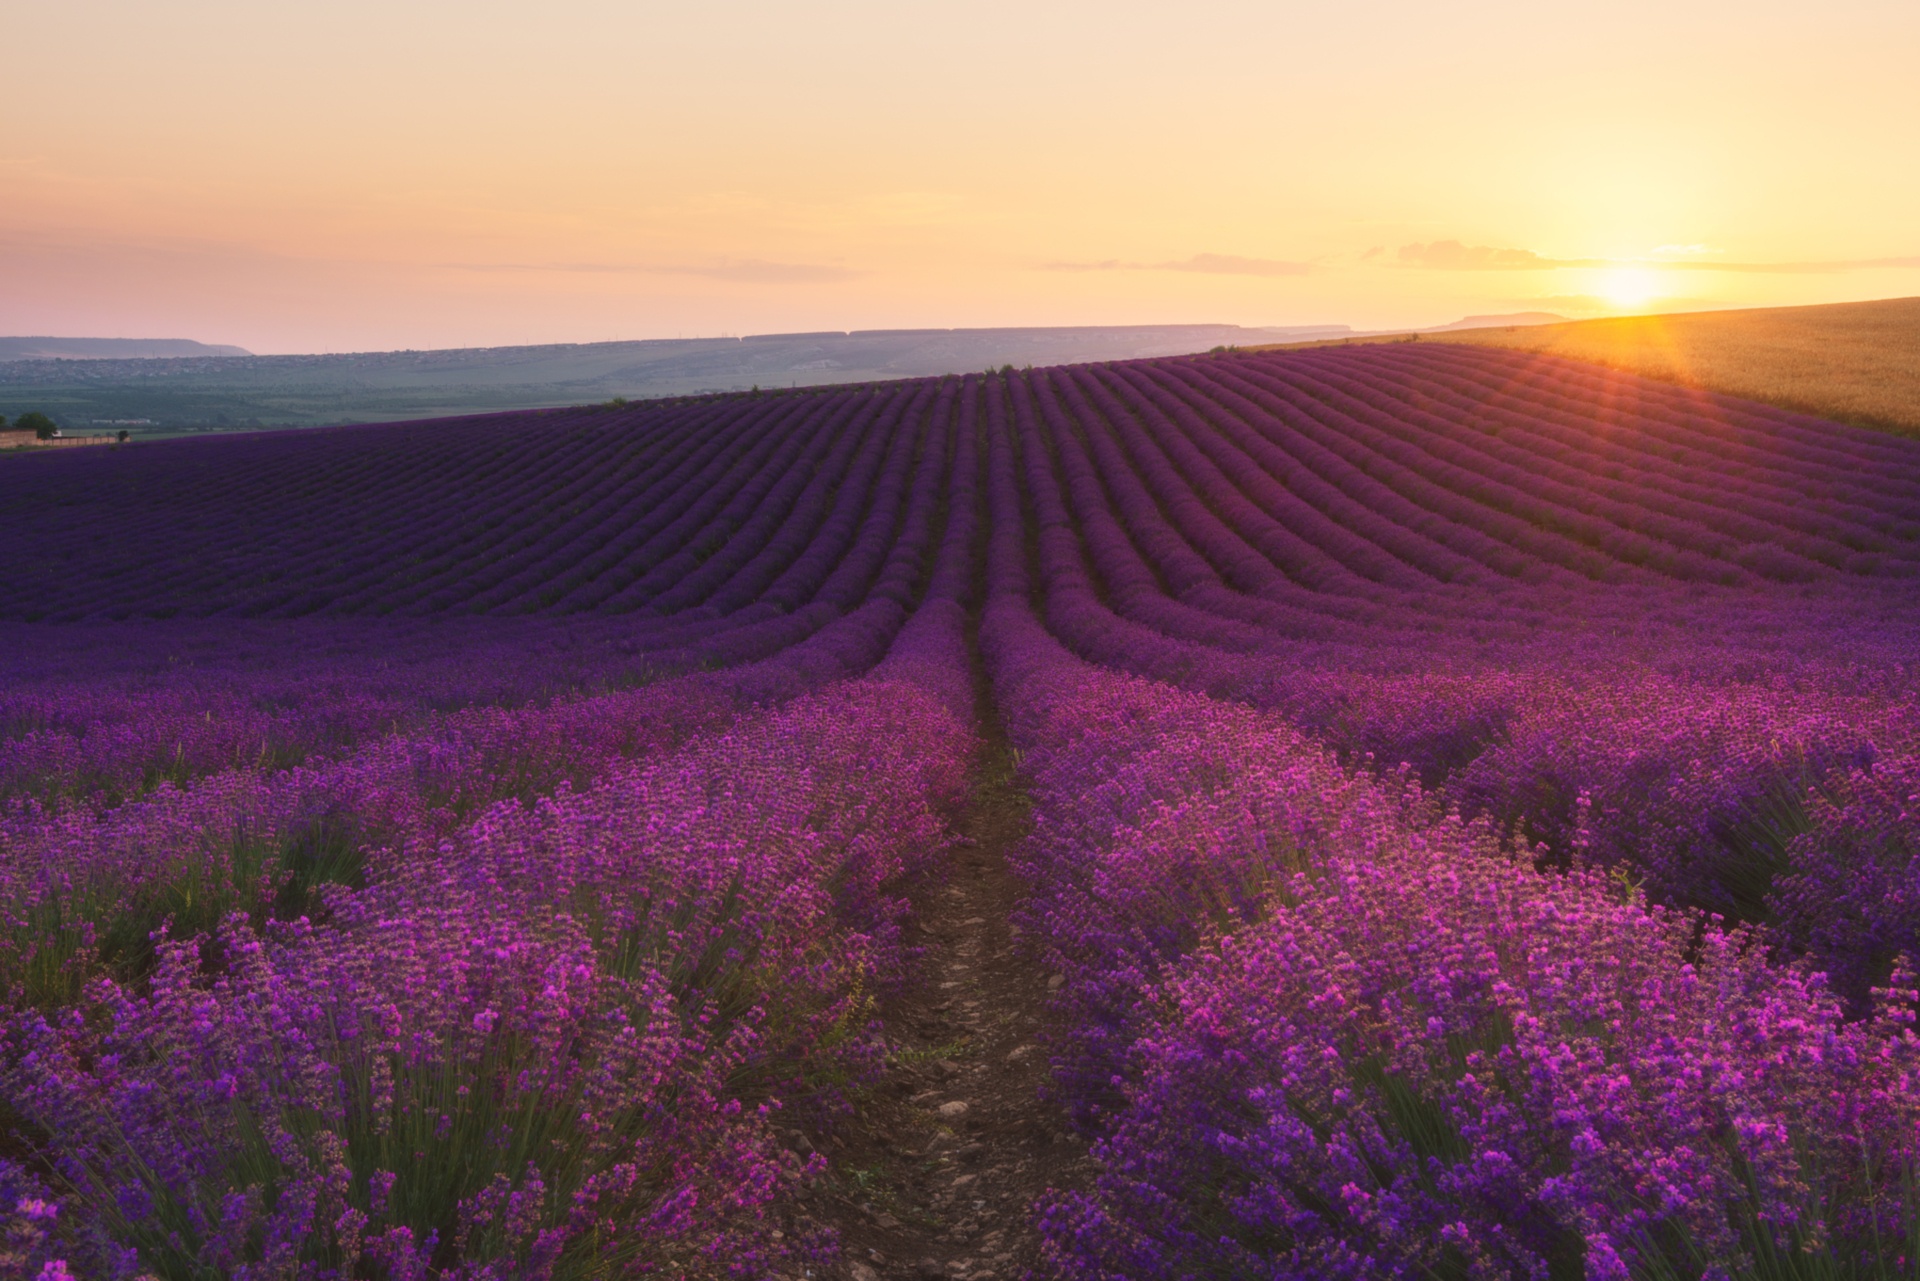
1452, 255
1790, 268
1205, 264
1230, 265
745, 270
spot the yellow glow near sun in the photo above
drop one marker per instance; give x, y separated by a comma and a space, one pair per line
1629, 288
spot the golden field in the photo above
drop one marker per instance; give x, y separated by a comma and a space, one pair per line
1856, 362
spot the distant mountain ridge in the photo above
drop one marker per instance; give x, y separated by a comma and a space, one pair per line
43, 348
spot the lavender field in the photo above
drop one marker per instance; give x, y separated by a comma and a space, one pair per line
1472, 828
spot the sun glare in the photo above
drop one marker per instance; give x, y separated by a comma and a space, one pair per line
1629, 288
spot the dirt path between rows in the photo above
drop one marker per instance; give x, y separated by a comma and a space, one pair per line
936, 1174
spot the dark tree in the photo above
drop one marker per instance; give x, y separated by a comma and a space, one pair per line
36, 422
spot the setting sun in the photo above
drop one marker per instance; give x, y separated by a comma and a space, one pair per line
441, 175
1629, 288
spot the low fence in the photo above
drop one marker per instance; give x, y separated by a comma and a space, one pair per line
16, 439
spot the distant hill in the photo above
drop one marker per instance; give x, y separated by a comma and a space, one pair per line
110, 348
1343, 334
203, 390
1490, 322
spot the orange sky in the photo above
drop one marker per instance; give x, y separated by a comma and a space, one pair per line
354, 175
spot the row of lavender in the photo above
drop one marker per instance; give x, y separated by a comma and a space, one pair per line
1392, 963
1493, 672
852, 540
712, 507
382, 949
1712, 739
511, 992
553, 1041
1321, 1027
1329, 487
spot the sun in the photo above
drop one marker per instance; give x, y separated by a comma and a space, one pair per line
1629, 288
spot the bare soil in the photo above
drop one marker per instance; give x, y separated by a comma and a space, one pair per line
936, 1174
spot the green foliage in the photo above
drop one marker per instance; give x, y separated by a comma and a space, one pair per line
113, 930
36, 422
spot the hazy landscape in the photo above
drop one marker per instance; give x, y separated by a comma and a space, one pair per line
90, 386
1270, 644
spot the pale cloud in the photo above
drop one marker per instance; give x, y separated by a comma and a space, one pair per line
1207, 264
1798, 268
743, 270
1452, 255
761, 272
1231, 265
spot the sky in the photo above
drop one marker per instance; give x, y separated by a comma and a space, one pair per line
362, 175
